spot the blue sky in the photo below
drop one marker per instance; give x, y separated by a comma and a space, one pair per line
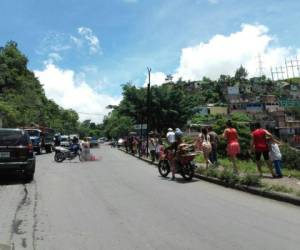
106, 43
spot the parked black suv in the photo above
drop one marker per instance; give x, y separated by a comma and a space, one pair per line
16, 152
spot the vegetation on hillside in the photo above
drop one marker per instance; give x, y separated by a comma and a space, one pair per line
23, 101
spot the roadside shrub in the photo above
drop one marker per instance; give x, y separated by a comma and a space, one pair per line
228, 177
201, 171
290, 157
189, 139
212, 172
241, 123
250, 180
281, 188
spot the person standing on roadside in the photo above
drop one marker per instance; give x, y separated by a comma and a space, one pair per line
206, 145
152, 145
170, 136
214, 139
85, 153
158, 149
233, 146
275, 156
259, 146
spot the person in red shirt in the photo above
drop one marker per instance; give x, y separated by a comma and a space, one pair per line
259, 146
233, 146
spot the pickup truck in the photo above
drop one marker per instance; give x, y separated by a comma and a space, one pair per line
40, 140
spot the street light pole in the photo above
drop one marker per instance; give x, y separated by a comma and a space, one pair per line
148, 110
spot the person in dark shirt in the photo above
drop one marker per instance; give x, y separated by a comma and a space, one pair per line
214, 140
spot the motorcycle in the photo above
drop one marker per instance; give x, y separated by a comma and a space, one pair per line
62, 153
184, 165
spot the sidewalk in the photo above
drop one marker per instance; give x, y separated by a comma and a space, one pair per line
285, 189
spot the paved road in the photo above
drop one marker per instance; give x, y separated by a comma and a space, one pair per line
122, 203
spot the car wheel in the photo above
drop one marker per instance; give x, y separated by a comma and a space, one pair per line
38, 151
48, 149
28, 176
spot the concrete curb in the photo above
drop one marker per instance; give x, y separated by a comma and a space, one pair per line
252, 190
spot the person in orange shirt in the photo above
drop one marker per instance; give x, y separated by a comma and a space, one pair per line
233, 146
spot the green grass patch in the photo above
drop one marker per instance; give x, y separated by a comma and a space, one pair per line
291, 173
213, 172
199, 158
228, 177
280, 188
250, 179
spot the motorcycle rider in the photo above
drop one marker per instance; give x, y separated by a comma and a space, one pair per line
175, 148
170, 136
74, 147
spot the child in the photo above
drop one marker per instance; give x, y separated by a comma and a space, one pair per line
275, 156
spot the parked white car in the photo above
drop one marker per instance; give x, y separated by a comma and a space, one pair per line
121, 142
64, 141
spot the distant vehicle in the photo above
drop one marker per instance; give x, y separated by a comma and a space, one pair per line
120, 142
94, 142
102, 140
113, 143
73, 135
41, 139
65, 141
16, 152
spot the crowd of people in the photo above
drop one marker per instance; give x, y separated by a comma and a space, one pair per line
263, 146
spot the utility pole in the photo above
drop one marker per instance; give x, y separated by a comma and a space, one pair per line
260, 66
272, 74
287, 69
148, 110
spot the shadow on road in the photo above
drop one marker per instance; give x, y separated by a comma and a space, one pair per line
179, 180
11, 179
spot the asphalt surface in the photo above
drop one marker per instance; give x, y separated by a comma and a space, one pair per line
121, 202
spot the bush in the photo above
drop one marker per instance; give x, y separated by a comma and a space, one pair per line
290, 157
241, 123
212, 172
250, 180
201, 171
281, 188
229, 177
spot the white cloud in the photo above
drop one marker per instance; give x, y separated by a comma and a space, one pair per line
224, 54
156, 78
53, 58
61, 86
91, 39
56, 42
78, 42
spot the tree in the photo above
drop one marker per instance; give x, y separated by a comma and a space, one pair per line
22, 97
241, 74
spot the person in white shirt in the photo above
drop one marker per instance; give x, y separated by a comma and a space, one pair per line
275, 156
170, 136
